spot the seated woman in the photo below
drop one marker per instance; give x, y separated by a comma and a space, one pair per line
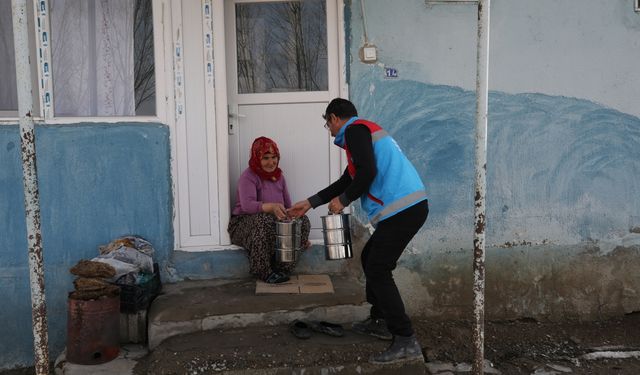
262, 198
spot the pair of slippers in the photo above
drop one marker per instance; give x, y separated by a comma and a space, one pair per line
303, 330
276, 278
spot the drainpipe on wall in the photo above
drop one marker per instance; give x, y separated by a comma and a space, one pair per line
30, 182
482, 104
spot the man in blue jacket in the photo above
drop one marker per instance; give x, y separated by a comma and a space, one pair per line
394, 198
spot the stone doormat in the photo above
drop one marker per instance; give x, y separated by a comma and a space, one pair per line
298, 284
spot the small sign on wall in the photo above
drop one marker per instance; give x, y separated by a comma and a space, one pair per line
390, 73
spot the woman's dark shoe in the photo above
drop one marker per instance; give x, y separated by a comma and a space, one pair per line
276, 278
300, 329
327, 328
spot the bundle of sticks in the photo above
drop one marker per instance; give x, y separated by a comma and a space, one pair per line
91, 280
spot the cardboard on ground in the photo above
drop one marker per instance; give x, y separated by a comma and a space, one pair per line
298, 284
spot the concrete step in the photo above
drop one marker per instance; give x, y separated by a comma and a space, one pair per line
222, 326
124, 364
196, 306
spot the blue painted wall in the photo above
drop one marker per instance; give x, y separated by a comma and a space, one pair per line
233, 264
561, 169
97, 182
563, 147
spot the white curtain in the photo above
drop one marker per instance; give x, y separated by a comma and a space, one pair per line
8, 90
92, 57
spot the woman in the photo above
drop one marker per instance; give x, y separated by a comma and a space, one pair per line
262, 198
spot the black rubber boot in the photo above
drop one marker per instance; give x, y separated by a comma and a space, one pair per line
401, 349
373, 327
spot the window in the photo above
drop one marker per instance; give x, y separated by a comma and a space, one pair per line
102, 58
8, 86
281, 46
637, 5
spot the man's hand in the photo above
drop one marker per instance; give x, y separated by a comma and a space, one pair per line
299, 209
277, 209
335, 206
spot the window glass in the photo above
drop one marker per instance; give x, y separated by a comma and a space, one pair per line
8, 88
102, 57
282, 46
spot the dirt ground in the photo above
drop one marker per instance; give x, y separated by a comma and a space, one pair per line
514, 347
524, 346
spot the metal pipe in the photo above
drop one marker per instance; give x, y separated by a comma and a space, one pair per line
30, 182
482, 104
364, 23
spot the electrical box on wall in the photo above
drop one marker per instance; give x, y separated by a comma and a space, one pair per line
368, 54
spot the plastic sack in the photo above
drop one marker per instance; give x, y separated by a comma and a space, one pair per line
122, 268
135, 242
129, 255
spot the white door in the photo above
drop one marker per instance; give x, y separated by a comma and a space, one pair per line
282, 67
200, 220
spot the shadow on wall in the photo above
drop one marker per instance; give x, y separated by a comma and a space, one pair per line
560, 170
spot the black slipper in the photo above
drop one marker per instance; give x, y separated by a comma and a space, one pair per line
300, 329
276, 278
327, 328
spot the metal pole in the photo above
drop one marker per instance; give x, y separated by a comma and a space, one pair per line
482, 104
30, 181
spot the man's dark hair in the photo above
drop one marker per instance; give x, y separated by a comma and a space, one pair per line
341, 108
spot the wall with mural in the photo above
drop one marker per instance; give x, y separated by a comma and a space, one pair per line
97, 182
563, 218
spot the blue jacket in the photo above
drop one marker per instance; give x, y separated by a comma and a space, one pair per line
397, 185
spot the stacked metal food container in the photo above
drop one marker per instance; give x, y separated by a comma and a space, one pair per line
288, 240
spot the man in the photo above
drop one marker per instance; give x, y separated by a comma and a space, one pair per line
394, 198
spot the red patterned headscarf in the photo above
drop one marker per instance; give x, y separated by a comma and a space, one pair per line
261, 146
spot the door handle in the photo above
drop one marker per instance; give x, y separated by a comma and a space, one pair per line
233, 123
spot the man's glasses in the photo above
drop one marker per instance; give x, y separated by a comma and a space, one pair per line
326, 123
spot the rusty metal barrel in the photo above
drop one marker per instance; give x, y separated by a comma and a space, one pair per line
93, 328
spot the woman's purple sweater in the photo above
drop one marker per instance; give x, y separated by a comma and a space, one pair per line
253, 191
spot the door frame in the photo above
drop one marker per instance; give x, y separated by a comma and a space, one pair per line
222, 157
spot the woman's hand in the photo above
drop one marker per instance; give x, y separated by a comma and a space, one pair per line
335, 206
277, 209
299, 209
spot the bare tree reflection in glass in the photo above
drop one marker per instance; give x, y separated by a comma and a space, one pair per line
245, 24
144, 69
282, 46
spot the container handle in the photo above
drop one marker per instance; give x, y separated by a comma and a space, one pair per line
339, 213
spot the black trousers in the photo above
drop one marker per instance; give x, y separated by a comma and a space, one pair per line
380, 256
